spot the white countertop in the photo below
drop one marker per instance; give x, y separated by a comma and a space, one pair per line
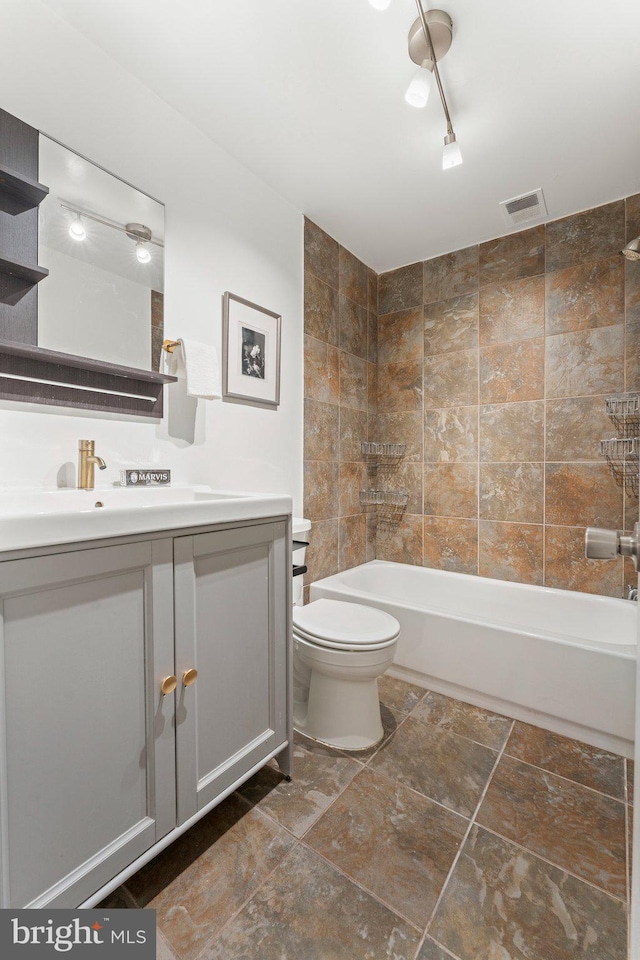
37, 518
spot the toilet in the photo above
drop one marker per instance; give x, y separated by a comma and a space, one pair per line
339, 651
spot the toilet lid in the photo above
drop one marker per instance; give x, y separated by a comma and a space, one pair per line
352, 624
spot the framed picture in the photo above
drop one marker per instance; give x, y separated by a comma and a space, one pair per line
250, 353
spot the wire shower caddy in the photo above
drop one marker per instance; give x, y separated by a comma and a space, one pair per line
622, 452
389, 505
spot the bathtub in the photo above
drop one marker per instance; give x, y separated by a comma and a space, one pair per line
555, 658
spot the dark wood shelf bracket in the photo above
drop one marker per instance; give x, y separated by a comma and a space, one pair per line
32, 274
25, 192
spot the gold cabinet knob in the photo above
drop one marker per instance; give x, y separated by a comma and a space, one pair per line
189, 677
168, 685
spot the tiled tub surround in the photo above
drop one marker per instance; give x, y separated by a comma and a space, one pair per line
464, 836
493, 365
340, 324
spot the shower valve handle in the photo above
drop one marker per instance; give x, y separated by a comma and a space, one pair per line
601, 544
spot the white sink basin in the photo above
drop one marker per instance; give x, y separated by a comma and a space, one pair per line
35, 518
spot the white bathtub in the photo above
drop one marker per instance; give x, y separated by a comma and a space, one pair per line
559, 659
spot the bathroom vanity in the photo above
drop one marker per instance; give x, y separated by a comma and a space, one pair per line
145, 674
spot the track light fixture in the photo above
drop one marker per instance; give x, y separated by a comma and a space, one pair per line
142, 252
138, 232
76, 229
430, 38
142, 237
451, 156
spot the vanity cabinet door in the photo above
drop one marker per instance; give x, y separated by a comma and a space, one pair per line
231, 625
87, 761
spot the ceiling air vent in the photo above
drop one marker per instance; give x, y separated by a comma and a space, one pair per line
528, 208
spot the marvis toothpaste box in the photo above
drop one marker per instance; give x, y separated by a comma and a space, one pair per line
145, 478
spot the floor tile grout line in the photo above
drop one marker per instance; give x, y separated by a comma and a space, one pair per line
300, 841
577, 783
384, 743
504, 750
502, 753
330, 805
273, 819
557, 866
424, 796
479, 743
172, 953
444, 949
296, 840
360, 885
464, 839
244, 903
270, 817
471, 823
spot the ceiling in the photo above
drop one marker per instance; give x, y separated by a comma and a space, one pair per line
309, 94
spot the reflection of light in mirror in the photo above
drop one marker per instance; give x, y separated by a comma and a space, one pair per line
99, 300
77, 230
142, 252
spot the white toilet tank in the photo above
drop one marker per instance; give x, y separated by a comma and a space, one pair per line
301, 528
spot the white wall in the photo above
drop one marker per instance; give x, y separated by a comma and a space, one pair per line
225, 230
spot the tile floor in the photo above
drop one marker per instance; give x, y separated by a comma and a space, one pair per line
464, 835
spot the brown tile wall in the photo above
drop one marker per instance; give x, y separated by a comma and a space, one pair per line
493, 365
340, 320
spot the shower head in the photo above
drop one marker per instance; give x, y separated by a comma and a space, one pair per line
632, 250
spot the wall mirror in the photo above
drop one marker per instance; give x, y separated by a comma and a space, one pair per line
102, 242
81, 280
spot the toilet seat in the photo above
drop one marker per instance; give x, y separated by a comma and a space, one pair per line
344, 626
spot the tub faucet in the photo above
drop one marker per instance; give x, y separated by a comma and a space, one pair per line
632, 593
87, 462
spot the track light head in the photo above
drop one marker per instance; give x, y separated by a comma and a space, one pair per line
76, 229
451, 153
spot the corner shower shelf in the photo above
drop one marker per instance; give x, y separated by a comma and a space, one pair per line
383, 453
389, 505
384, 498
622, 452
624, 411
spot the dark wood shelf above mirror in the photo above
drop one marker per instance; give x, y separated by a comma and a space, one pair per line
23, 271
36, 375
26, 193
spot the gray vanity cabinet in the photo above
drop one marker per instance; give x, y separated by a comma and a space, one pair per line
86, 738
97, 764
231, 621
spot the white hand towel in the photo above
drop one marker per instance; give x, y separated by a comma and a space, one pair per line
200, 364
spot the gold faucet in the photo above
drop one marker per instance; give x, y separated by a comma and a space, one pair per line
87, 462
